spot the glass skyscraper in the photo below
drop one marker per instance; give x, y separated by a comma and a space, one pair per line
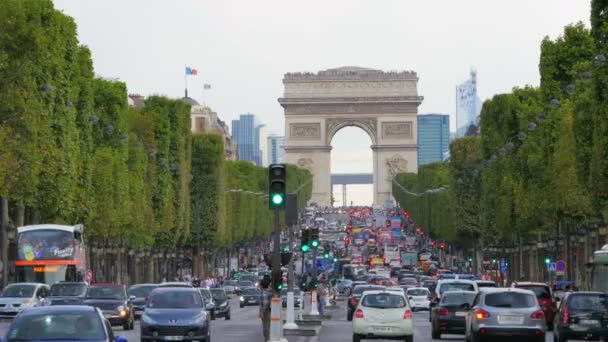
246, 132
433, 138
468, 104
276, 149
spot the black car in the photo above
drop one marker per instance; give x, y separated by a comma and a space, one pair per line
69, 323
222, 304
141, 293
66, 293
250, 296
448, 316
355, 296
241, 285
113, 302
175, 313
582, 316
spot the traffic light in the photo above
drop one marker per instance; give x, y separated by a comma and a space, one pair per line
442, 246
277, 179
314, 237
326, 254
547, 260
286, 249
470, 259
335, 259
305, 242
493, 261
277, 281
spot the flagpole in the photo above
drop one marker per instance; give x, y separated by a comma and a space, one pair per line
186, 80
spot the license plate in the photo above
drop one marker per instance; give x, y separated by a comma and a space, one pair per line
382, 329
174, 338
460, 314
510, 320
589, 322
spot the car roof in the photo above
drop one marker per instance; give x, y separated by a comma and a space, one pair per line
26, 283
506, 289
418, 288
71, 283
452, 281
529, 283
141, 285
454, 292
36, 310
106, 285
381, 291
173, 289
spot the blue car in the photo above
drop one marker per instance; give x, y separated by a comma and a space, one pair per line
175, 314
61, 323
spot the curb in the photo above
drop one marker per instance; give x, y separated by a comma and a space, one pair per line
307, 331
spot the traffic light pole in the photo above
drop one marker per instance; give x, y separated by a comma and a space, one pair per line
276, 254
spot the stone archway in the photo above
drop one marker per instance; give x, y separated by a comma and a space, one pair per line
383, 104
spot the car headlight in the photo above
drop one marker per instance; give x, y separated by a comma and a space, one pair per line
122, 311
224, 304
145, 319
200, 319
242, 299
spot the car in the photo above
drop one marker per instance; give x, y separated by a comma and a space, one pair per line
241, 285
61, 323
418, 298
509, 312
485, 283
175, 284
175, 313
582, 316
543, 295
448, 317
383, 314
141, 293
229, 286
221, 302
209, 302
453, 285
409, 281
354, 297
343, 286
249, 296
113, 302
18, 296
430, 284
66, 293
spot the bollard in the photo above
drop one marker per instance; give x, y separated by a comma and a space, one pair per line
275, 320
291, 319
306, 300
314, 308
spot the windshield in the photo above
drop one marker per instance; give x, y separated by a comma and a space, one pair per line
67, 290
245, 284
206, 294
360, 289
141, 291
510, 300
417, 292
251, 291
539, 291
106, 292
175, 300
457, 298
21, 291
588, 302
383, 301
455, 287
230, 283
45, 244
57, 326
218, 294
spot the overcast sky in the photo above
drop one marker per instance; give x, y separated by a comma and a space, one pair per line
243, 48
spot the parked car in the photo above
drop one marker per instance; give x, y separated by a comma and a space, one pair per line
543, 295
448, 317
419, 298
18, 296
354, 297
505, 311
113, 302
250, 296
221, 302
66, 293
383, 314
582, 316
61, 323
166, 307
141, 293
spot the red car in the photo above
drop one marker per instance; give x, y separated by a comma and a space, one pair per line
544, 297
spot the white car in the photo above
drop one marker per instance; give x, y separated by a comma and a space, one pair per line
383, 314
19, 296
419, 298
454, 285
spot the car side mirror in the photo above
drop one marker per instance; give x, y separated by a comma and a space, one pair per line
120, 339
132, 298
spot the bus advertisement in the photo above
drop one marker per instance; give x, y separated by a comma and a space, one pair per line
50, 253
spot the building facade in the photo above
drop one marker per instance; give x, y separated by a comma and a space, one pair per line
247, 132
205, 120
276, 149
433, 138
468, 104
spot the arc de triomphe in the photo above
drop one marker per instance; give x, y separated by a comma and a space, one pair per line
383, 104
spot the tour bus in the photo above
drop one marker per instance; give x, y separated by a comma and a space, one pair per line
50, 253
599, 270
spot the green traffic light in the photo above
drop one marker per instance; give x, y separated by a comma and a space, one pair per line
277, 199
280, 287
547, 260
493, 261
326, 255
286, 249
315, 244
305, 248
470, 259
335, 259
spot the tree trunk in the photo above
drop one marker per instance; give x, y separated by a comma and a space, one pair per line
4, 241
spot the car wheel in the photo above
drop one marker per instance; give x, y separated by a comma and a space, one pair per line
356, 338
435, 334
227, 317
409, 338
349, 316
242, 306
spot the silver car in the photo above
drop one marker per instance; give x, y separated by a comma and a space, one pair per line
505, 312
18, 296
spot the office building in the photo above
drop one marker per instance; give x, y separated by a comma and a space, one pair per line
468, 104
276, 149
246, 132
433, 138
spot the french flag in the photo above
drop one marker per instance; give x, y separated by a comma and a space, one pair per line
191, 71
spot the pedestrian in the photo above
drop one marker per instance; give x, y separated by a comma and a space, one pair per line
321, 293
265, 301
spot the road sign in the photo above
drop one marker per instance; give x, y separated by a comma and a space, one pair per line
560, 265
551, 267
503, 266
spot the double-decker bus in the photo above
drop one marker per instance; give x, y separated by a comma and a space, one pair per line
50, 253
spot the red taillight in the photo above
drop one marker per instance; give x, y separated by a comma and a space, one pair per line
359, 313
538, 315
444, 312
566, 315
353, 301
481, 314
407, 314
